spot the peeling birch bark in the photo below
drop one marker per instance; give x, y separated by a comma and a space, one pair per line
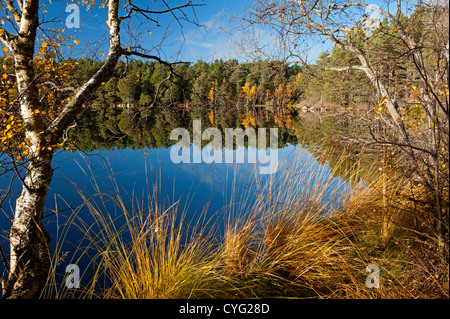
29, 252
29, 241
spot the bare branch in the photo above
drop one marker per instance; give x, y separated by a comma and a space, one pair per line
168, 10
130, 52
400, 144
345, 68
55, 86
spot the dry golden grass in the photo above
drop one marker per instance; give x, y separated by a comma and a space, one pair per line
292, 237
158, 264
299, 248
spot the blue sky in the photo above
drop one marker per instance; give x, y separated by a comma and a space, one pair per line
207, 42
212, 41
191, 43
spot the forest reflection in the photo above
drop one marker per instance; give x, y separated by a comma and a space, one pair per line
137, 128
114, 128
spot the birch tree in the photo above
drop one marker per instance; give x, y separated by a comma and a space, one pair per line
40, 132
420, 30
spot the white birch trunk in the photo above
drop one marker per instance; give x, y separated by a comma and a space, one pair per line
29, 241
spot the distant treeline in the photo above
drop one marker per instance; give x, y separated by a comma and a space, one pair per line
221, 82
217, 83
329, 81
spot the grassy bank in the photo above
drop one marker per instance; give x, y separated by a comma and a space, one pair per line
286, 243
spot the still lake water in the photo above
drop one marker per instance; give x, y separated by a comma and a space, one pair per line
198, 188
202, 191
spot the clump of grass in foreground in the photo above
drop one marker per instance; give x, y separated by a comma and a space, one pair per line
155, 255
157, 263
144, 251
295, 239
292, 247
293, 243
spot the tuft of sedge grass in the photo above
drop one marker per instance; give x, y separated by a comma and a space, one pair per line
291, 237
238, 249
158, 262
290, 242
292, 256
142, 252
154, 254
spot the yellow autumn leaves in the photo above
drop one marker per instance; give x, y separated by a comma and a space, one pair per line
6, 50
248, 119
11, 126
365, 28
413, 113
248, 92
12, 140
47, 69
280, 94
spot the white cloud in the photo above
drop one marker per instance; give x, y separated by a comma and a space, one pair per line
208, 42
211, 41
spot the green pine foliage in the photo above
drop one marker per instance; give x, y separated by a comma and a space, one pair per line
271, 83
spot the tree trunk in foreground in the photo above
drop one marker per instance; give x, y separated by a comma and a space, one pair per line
29, 241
